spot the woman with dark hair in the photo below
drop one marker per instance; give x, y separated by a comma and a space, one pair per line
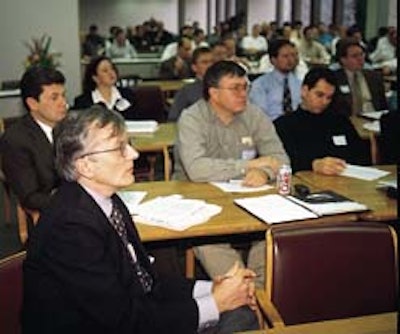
99, 88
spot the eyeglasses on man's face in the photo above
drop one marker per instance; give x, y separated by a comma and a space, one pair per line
123, 148
237, 89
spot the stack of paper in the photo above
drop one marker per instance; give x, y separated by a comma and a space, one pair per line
175, 212
141, 126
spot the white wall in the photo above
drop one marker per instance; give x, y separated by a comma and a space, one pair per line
20, 20
392, 21
259, 11
106, 13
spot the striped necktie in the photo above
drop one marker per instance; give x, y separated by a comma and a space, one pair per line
118, 223
287, 97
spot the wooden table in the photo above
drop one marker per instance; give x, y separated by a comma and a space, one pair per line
231, 221
159, 141
382, 208
385, 323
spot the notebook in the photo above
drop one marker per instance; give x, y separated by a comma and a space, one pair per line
279, 209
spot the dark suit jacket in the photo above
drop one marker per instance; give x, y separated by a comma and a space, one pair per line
167, 70
85, 101
28, 163
343, 100
78, 277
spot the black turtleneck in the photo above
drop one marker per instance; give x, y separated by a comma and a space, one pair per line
308, 136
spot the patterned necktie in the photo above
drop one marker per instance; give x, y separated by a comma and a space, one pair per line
117, 222
287, 97
357, 94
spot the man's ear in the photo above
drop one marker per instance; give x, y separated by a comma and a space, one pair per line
84, 167
32, 103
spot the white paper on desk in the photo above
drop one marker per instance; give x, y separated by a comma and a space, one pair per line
149, 126
274, 209
374, 114
236, 187
372, 126
363, 173
175, 212
132, 199
322, 209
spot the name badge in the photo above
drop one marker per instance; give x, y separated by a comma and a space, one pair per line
122, 104
345, 89
339, 140
248, 154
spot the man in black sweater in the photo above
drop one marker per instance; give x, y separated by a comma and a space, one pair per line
314, 136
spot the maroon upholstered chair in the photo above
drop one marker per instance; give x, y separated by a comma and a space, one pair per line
329, 271
11, 293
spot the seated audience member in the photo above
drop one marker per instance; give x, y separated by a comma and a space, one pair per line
201, 60
386, 48
178, 66
316, 137
99, 87
93, 44
254, 44
86, 269
311, 50
199, 39
27, 145
120, 46
300, 70
359, 89
389, 138
219, 52
278, 92
231, 48
222, 137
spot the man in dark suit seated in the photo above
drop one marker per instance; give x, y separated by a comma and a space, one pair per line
316, 137
178, 66
26, 146
359, 89
87, 271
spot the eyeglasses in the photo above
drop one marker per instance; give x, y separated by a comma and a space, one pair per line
122, 148
237, 88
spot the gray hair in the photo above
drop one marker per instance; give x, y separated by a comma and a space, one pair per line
72, 134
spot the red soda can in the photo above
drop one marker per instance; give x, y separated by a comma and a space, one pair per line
284, 180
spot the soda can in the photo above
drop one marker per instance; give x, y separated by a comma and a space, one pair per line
284, 180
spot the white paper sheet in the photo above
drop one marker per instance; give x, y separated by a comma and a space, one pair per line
363, 173
374, 126
235, 186
141, 126
374, 114
274, 209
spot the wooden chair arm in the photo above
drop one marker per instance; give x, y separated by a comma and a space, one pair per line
268, 309
22, 219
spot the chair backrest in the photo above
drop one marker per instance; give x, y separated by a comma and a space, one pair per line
11, 291
330, 271
150, 103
